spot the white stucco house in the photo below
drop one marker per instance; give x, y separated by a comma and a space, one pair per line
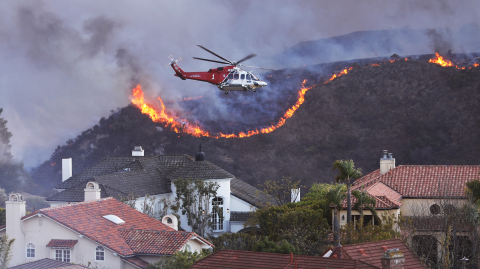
104, 233
120, 176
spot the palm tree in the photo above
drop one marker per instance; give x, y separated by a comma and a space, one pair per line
364, 201
347, 171
335, 197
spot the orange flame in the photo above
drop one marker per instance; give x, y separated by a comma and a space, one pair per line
191, 98
53, 164
439, 60
182, 126
406, 59
475, 65
375, 65
392, 61
343, 72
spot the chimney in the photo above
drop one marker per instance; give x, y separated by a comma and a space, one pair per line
92, 192
295, 195
171, 221
66, 169
393, 259
138, 151
15, 210
386, 163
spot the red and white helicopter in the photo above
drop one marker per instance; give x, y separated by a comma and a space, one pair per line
227, 78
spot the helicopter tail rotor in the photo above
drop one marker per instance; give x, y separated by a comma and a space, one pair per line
172, 61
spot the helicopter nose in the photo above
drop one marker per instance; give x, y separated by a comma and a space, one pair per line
262, 83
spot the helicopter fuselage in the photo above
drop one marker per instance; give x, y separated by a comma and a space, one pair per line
227, 78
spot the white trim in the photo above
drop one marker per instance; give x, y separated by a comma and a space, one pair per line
26, 250
103, 249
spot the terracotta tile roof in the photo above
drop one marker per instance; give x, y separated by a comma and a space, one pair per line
60, 243
89, 222
48, 264
425, 181
372, 252
234, 259
157, 242
137, 262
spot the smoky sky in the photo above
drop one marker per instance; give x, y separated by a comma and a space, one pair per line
66, 64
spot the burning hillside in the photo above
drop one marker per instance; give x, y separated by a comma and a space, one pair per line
184, 126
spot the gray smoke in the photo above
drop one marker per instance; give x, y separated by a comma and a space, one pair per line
66, 64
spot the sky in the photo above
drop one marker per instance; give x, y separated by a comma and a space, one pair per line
66, 64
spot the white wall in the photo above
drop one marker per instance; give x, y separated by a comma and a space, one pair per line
237, 204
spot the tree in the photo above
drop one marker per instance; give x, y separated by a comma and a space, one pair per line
472, 190
346, 172
364, 201
179, 260
194, 200
281, 190
5, 251
336, 196
360, 233
11, 171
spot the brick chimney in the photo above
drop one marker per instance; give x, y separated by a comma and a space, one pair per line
66, 169
92, 192
393, 259
138, 151
386, 163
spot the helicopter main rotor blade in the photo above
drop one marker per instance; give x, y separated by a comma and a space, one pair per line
210, 60
257, 67
215, 54
247, 57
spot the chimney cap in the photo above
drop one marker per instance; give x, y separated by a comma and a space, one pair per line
200, 156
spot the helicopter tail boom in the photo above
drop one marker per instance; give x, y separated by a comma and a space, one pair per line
178, 70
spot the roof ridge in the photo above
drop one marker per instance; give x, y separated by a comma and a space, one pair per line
74, 204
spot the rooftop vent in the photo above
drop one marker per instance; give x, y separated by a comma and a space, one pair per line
138, 151
200, 156
114, 219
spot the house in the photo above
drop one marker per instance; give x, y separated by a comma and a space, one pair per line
233, 259
372, 252
424, 194
120, 176
48, 264
104, 232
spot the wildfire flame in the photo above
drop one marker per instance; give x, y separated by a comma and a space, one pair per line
440, 61
182, 126
475, 65
53, 164
343, 72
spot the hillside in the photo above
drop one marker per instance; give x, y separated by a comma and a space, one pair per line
421, 112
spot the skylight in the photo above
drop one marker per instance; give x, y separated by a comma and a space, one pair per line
114, 219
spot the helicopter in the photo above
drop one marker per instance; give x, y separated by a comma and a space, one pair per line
226, 78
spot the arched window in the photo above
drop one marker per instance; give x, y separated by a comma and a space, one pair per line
217, 202
435, 209
99, 253
30, 250
188, 247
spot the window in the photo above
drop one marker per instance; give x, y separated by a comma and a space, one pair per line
435, 209
99, 253
30, 250
230, 76
235, 76
217, 220
188, 247
242, 76
62, 255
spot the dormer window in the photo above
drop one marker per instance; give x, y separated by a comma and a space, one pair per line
114, 219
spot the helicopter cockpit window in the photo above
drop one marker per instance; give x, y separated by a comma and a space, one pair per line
254, 77
249, 77
235, 76
230, 76
242, 76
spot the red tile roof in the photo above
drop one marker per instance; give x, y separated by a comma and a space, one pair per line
157, 242
60, 243
87, 219
372, 252
234, 259
135, 261
425, 181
